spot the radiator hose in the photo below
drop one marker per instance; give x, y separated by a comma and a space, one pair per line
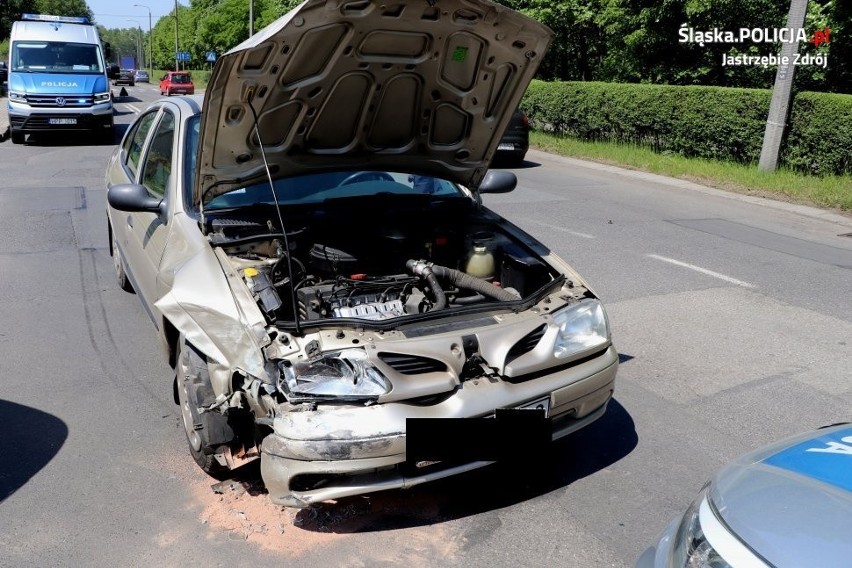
459, 279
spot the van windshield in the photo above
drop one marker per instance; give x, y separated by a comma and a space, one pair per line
55, 57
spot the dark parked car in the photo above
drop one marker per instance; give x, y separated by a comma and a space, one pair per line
516, 140
4, 73
125, 77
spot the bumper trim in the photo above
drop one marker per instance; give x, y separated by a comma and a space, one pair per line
278, 471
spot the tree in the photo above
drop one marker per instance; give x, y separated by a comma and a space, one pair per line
65, 8
10, 11
839, 75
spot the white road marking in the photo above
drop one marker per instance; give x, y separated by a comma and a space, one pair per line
131, 107
561, 229
702, 270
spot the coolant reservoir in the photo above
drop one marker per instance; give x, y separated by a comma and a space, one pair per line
480, 263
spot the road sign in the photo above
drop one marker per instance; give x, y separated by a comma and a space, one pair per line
211, 56
183, 56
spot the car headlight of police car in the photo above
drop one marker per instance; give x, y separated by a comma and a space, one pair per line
786, 505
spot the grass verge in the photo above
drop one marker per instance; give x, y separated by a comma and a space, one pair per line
834, 192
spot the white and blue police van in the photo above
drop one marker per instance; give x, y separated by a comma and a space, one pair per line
58, 78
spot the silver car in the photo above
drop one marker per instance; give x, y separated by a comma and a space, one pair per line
310, 243
786, 505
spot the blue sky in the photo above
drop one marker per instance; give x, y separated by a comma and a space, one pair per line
112, 14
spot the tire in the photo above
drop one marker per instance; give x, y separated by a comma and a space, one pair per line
107, 136
205, 433
18, 137
118, 265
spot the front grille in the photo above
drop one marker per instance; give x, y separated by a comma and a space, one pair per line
412, 364
67, 101
526, 344
42, 122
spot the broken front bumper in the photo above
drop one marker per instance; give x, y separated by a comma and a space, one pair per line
339, 451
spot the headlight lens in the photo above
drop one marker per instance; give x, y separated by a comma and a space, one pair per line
691, 548
102, 97
582, 326
17, 97
346, 374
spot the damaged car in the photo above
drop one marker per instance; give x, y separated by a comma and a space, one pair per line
310, 242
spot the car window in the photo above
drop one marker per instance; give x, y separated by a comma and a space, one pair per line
317, 188
136, 140
193, 125
158, 161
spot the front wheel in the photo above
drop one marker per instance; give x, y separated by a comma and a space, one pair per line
206, 433
18, 137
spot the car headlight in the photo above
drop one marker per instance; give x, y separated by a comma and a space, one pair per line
691, 548
346, 374
17, 97
582, 326
102, 97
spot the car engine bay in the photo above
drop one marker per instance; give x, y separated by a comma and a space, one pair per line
369, 263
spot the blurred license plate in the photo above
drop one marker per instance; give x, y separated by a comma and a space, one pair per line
62, 121
506, 147
540, 404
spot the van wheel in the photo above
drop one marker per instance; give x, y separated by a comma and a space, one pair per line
18, 137
107, 135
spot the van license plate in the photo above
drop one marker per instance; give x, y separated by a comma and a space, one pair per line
62, 121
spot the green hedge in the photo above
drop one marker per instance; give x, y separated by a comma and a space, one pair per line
707, 122
819, 140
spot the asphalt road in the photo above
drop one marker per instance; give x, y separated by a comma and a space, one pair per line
733, 316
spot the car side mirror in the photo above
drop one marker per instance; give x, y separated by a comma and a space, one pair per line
113, 71
133, 197
498, 182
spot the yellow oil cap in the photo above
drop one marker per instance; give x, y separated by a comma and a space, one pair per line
250, 272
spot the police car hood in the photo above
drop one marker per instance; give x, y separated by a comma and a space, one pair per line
791, 503
411, 86
67, 84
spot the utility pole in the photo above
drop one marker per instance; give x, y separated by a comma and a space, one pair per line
251, 18
776, 122
177, 60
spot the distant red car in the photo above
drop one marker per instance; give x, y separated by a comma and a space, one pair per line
177, 83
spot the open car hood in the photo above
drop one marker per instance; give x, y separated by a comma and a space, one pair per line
412, 86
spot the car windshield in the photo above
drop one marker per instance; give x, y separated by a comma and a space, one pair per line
318, 188
55, 57
180, 79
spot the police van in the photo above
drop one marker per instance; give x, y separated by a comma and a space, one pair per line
58, 78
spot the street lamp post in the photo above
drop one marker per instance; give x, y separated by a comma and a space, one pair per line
150, 43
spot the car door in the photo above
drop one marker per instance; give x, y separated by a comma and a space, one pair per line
149, 231
125, 168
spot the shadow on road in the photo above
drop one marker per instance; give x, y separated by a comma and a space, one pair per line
503, 164
579, 455
30, 440
74, 138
